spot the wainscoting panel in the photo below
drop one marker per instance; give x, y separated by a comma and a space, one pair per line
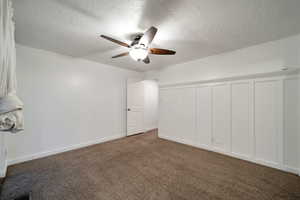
240, 122
266, 123
291, 130
178, 105
221, 117
250, 119
204, 116
166, 106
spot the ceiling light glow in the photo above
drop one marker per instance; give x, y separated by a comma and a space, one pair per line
138, 53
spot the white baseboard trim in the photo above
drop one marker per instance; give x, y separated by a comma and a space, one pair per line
61, 150
149, 129
182, 141
234, 155
3, 170
291, 170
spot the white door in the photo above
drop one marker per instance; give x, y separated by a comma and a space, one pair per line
135, 107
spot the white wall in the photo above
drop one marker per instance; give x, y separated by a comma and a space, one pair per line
235, 120
150, 104
299, 122
69, 103
251, 119
263, 58
2, 155
291, 127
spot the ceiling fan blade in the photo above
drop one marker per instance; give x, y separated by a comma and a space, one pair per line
146, 60
120, 55
162, 51
115, 41
148, 36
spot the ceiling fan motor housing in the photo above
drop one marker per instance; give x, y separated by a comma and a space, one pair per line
136, 39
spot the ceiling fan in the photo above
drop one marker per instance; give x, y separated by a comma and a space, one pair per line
140, 46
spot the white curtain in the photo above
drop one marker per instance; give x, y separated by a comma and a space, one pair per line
11, 115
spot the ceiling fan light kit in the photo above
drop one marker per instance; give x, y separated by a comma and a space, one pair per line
140, 47
138, 53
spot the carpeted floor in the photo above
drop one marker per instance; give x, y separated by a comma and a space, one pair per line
144, 167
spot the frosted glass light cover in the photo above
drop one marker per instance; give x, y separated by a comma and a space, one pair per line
138, 53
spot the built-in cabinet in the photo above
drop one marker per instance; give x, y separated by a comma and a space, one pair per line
252, 119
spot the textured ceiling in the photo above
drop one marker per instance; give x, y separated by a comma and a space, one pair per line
194, 28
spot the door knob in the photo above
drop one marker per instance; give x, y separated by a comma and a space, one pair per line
128, 109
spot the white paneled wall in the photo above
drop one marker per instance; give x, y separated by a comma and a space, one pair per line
242, 119
178, 105
267, 131
221, 117
252, 119
204, 116
291, 126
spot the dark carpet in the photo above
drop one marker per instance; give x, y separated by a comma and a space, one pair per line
144, 167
